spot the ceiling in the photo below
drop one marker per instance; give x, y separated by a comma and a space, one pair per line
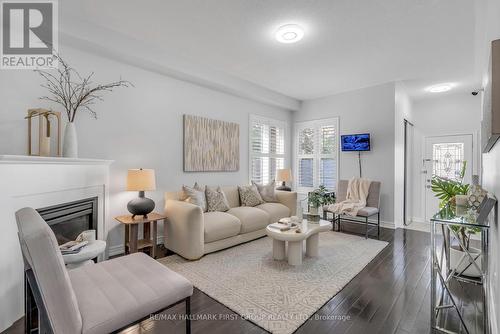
348, 44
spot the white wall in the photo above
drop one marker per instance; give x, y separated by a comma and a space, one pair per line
449, 114
137, 127
488, 14
366, 110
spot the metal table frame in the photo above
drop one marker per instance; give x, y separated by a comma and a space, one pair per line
446, 222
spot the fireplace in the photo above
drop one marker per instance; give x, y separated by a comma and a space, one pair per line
68, 220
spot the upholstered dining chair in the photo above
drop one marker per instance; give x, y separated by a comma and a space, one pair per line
371, 209
97, 298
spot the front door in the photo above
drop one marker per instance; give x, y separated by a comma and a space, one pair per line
444, 156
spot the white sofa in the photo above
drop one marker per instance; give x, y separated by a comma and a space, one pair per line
191, 233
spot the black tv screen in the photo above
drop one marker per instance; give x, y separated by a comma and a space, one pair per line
358, 142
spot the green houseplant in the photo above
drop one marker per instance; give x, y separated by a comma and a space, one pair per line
446, 190
318, 198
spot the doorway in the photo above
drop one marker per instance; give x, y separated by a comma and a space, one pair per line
444, 156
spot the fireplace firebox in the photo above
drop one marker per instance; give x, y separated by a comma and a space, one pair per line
68, 220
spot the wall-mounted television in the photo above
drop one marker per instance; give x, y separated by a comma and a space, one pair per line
357, 142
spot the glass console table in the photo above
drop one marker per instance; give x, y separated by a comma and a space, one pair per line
460, 270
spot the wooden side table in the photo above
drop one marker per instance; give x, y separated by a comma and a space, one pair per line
132, 244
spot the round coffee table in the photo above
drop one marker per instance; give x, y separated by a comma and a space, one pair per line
309, 233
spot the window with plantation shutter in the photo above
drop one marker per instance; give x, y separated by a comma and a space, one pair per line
267, 148
317, 154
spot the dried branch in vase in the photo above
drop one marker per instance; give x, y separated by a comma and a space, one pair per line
74, 92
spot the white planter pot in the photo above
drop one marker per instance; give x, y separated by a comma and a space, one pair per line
70, 143
456, 256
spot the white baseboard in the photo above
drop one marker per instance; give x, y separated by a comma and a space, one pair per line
120, 249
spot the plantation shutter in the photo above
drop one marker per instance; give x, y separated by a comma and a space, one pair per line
267, 148
317, 147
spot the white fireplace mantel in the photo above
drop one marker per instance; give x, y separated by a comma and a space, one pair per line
39, 182
33, 159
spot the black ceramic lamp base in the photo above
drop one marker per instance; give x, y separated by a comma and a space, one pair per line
283, 187
141, 206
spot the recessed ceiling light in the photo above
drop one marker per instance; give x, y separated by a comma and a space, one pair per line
440, 88
289, 33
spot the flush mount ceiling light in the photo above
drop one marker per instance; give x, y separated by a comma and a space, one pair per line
289, 33
441, 88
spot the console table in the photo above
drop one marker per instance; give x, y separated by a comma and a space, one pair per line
444, 225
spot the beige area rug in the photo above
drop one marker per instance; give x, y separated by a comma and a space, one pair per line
274, 295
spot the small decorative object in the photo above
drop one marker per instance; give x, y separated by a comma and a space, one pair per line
141, 180
298, 230
461, 200
44, 117
211, 145
74, 92
284, 176
476, 194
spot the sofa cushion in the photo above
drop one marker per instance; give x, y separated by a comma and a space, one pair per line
115, 293
216, 199
249, 196
367, 211
196, 196
252, 219
266, 191
232, 195
276, 211
220, 225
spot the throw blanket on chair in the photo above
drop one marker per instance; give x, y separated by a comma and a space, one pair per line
357, 192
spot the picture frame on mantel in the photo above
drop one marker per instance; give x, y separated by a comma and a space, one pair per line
210, 145
490, 123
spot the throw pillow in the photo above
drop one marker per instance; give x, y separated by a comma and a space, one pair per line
196, 196
249, 196
266, 191
216, 199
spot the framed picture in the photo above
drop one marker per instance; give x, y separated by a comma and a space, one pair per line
211, 145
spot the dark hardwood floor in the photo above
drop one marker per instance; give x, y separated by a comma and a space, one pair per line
390, 295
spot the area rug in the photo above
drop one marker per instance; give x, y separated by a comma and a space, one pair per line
272, 294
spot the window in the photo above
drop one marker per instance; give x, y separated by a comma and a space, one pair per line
448, 160
267, 148
317, 154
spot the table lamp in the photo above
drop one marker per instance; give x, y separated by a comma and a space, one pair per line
141, 180
284, 175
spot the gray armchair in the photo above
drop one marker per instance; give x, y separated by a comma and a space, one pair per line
96, 298
371, 209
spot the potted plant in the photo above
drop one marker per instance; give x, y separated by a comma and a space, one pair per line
319, 198
447, 190
74, 93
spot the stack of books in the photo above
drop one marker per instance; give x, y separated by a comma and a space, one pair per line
280, 226
72, 247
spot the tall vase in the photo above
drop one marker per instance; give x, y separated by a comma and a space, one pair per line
476, 194
70, 144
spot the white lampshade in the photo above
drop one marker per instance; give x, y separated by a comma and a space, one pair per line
284, 175
141, 180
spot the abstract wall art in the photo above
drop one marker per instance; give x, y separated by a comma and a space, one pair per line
211, 145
